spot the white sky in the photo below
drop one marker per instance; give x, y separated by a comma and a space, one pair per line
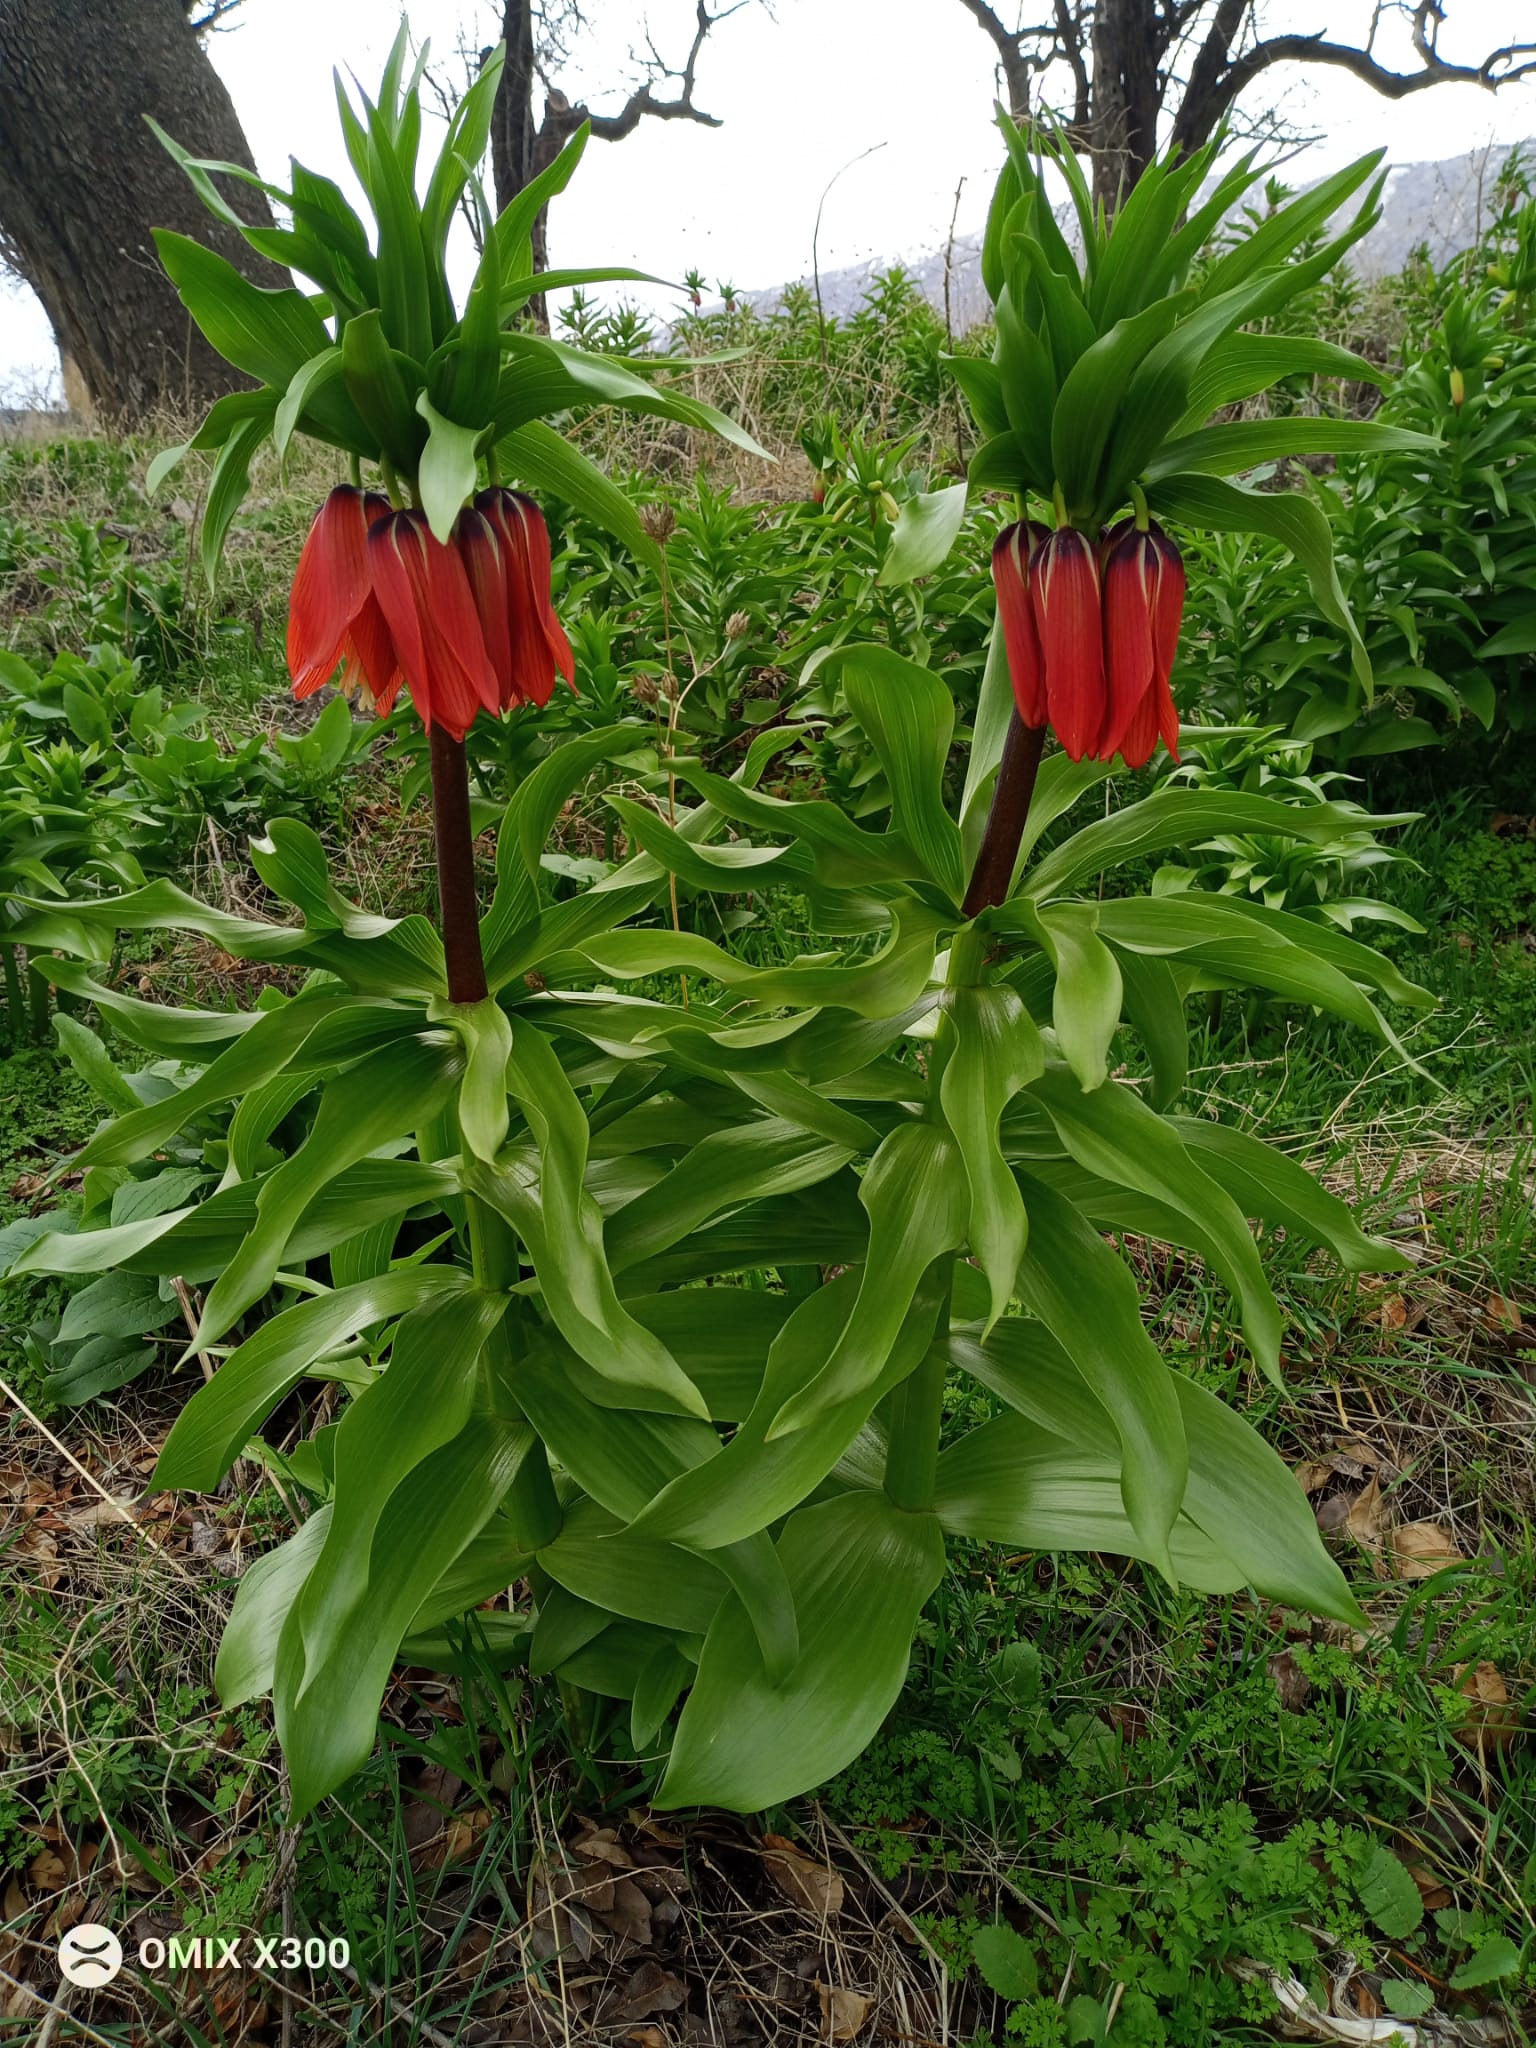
800, 94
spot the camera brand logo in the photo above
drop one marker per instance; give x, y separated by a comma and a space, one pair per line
90, 1955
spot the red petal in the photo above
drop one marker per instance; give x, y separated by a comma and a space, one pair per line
540, 568
329, 587
485, 565
1064, 585
1167, 617
1131, 577
533, 655
1010, 573
424, 596
369, 650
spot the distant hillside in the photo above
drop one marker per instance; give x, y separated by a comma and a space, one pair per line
1441, 204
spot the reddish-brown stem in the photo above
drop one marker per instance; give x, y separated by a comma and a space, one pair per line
460, 911
992, 875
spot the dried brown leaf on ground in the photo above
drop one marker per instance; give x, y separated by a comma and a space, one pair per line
843, 2013
1420, 1549
1368, 1515
1492, 1721
803, 1881
1291, 1683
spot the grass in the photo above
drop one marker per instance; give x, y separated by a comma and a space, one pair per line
1103, 1809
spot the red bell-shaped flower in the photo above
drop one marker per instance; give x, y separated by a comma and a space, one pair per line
1064, 589
1011, 553
1131, 572
536, 642
333, 616
424, 593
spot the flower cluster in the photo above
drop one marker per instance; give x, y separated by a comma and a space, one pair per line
1090, 633
468, 627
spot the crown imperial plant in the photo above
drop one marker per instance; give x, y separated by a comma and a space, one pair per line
648, 1267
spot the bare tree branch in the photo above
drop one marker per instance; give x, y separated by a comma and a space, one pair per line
1208, 97
1144, 68
643, 104
214, 13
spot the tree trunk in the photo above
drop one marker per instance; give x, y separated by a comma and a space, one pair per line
1127, 96
83, 180
515, 153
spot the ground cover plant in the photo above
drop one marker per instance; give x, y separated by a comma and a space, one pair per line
819, 1238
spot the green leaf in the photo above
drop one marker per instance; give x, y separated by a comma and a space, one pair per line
1085, 1008
547, 376
448, 470
1266, 1183
1155, 1006
514, 225
95, 1066
1112, 1133
1244, 444
336, 1650
268, 334
562, 1227
227, 487
275, 1039
1086, 406
547, 461
747, 1162
117, 1305
883, 982
377, 384
860, 1571
404, 299
1406, 1999
263, 1599
487, 1034
313, 375
99, 1366
1388, 1895
926, 528
1244, 365
360, 1110
997, 1051
909, 717
1178, 817
638, 1576
917, 1197
1496, 1958
755, 1479
1006, 1962
1297, 522
1518, 637
1087, 1299
213, 1427
526, 825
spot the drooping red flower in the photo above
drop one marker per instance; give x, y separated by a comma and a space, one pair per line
1065, 593
423, 591
333, 616
1132, 569
1091, 635
1011, 554
538, 643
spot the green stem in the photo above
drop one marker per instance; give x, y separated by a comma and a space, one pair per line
13, 1001
460, 911
41, 991
997, 856
916, 1410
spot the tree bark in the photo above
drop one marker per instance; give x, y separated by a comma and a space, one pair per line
515, 153
1126, 97
83, 181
